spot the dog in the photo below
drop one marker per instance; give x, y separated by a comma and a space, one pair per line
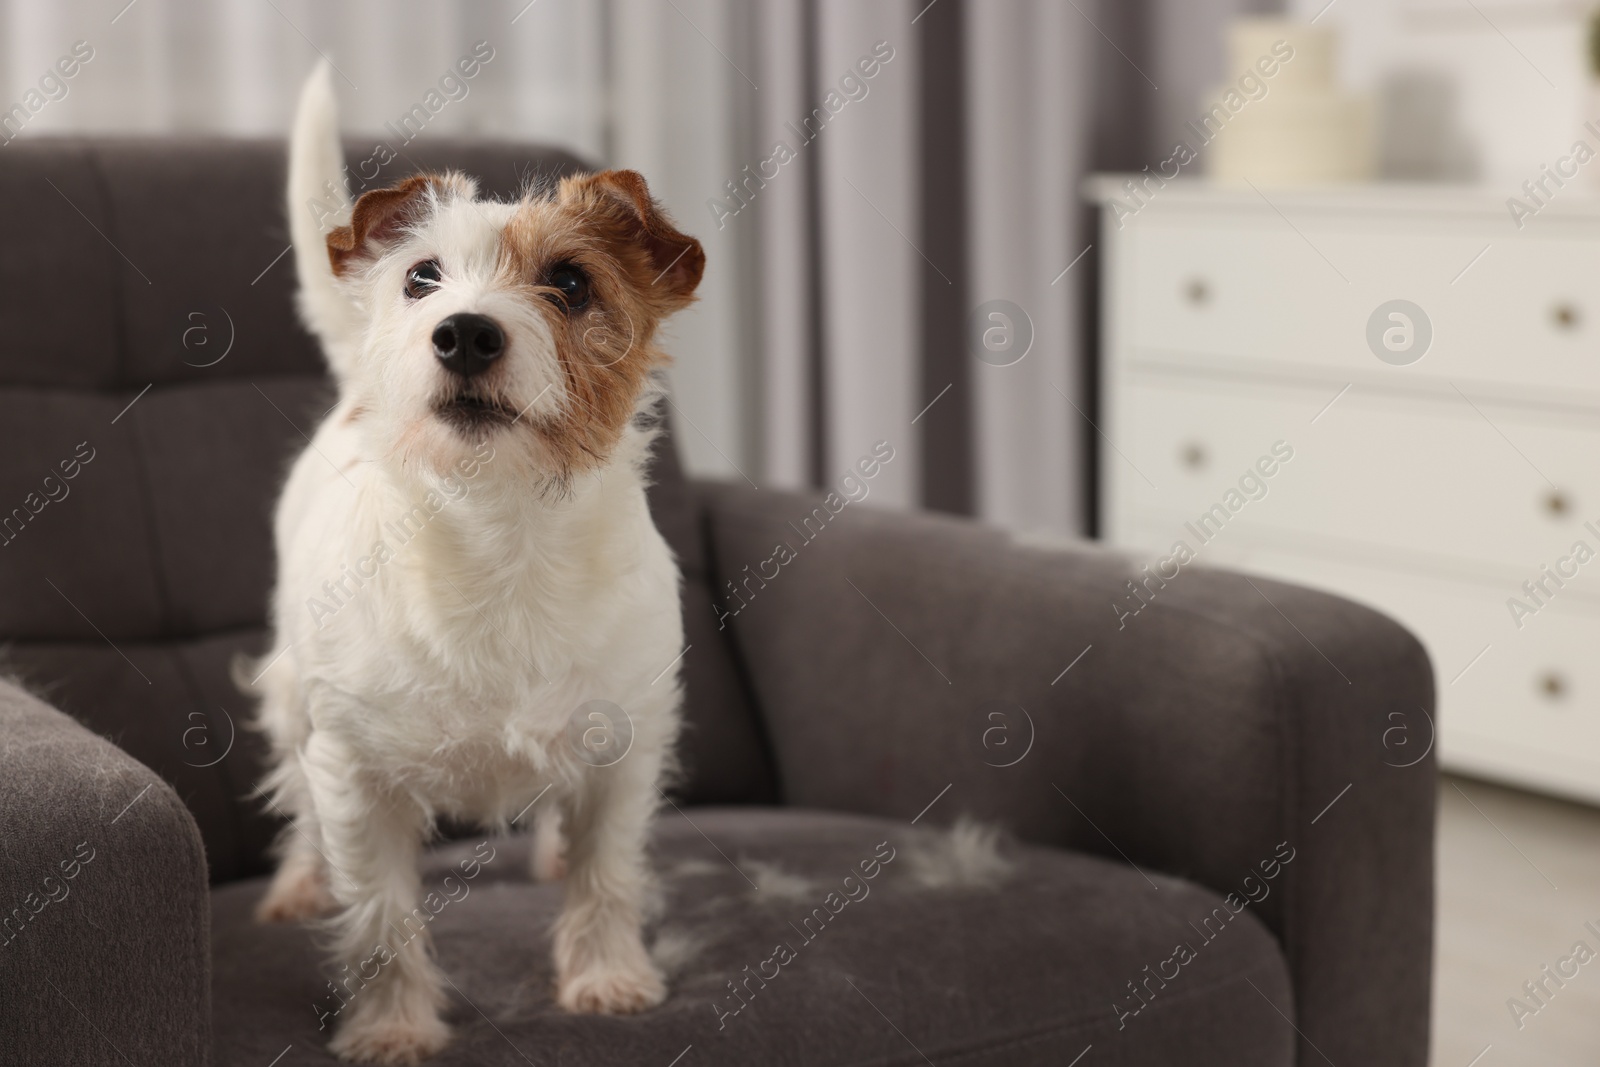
467, 562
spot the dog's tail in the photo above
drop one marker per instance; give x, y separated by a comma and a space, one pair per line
319, 202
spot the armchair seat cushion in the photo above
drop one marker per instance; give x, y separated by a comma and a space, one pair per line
882, 971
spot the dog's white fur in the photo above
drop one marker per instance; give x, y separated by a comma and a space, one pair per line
445, 684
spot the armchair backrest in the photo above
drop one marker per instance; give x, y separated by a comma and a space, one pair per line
154, 385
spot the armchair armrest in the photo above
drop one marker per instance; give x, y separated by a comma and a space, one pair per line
104, 910
1226, 718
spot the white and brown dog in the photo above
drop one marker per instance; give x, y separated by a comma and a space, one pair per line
466, 558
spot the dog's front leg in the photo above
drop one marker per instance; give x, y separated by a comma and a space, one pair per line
391, 988
601, 962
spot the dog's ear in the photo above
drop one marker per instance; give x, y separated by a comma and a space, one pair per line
382, 215
672, 260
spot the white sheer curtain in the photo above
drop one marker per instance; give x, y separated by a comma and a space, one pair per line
679, 95
872, 334
1029, 116
233, 66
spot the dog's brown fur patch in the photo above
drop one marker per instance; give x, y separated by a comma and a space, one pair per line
382, 213
640, 269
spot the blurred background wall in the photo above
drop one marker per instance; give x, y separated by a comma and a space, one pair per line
853, 272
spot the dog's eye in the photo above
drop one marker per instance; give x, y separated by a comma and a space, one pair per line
423, 279
570, 281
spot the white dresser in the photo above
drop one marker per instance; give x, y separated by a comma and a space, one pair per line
1432, 488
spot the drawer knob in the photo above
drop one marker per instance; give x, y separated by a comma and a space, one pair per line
1197, 292
1557, 503
1193, 455
1565, 316
1552, 685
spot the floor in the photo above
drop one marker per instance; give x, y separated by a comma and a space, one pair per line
1519, 877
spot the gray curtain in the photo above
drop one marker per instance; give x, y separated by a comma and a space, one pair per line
957, 177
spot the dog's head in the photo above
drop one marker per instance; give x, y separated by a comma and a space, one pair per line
527, 324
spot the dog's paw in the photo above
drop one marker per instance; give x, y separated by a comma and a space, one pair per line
295, 897
389, 1040
612, 991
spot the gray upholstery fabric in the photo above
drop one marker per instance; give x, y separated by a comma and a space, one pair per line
104, 948
964, 975
1190, 737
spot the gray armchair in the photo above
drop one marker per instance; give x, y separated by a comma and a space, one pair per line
1219, 853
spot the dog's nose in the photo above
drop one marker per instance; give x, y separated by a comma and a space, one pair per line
467, 344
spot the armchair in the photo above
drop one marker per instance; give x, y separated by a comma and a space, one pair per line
1215, 857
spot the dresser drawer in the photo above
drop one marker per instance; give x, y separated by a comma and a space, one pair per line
1429, 478
1518, 705
1521, 705
1249, 288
